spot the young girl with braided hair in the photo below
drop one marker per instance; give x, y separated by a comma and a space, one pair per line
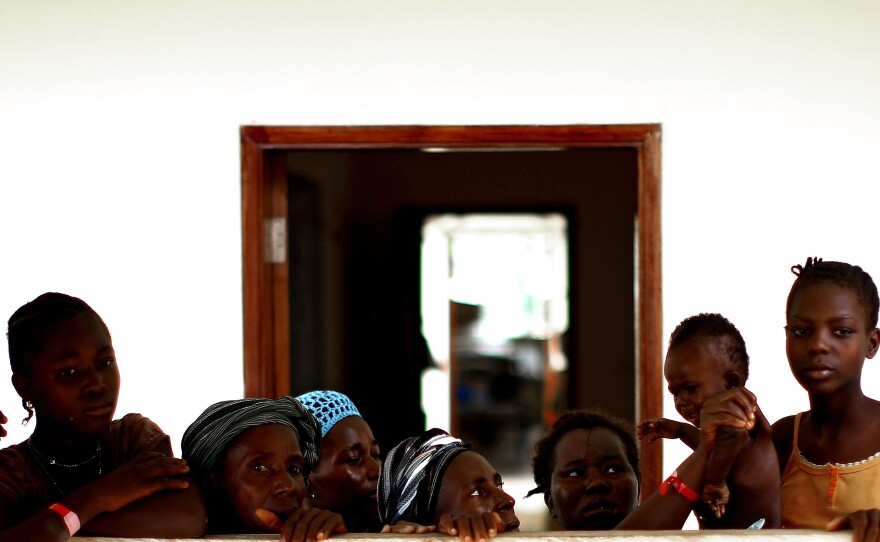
81, 468
830, 455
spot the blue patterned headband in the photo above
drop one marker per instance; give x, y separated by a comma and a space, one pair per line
328, 407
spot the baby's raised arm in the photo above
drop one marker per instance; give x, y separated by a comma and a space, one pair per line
729, 441
742, 463
670, 509
657, 428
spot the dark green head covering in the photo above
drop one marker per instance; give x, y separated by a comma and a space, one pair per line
207, 437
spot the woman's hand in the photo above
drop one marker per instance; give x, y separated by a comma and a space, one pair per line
471, 528
146, 474
408, 527
864, 523
304, 525
734, 407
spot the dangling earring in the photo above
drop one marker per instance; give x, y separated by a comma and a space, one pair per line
29, 406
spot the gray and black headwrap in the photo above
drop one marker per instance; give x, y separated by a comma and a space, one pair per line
411, 474
207, 437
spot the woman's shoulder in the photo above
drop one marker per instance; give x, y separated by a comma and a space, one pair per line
134, 434
782, 433
12, 457
783, 428
18, 477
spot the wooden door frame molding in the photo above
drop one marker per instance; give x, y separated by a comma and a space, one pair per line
265, 285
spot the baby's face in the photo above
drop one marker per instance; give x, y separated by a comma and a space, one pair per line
695, 370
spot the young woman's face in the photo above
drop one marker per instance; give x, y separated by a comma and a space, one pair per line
345, 478
592, 485
827, 338
695, 370
73, 380
471, 486
261, 468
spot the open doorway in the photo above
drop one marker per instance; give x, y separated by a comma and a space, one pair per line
494, 298
374, 187
495, 308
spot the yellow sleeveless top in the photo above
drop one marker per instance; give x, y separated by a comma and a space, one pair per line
812, 495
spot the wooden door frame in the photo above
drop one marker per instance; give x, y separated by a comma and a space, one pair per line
265, 285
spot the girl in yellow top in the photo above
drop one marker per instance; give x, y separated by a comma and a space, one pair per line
830, 455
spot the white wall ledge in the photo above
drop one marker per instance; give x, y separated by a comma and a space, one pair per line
773, 535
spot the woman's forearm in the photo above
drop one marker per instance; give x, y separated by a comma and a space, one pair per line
669, 510
182, 512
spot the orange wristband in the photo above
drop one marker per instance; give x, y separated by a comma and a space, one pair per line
71, 520
675, 483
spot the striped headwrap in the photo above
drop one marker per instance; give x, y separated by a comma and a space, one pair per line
206, 438
411, 474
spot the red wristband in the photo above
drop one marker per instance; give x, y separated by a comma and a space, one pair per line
675, 483
71, 520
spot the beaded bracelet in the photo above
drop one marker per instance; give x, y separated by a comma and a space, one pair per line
675, 482
71, 520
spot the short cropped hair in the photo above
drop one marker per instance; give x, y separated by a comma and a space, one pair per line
542, 463
713, 325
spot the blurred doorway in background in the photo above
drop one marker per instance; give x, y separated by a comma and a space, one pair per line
494, 310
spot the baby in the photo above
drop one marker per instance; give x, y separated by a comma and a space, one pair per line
706, 356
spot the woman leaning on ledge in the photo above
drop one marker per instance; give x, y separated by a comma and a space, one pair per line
251, 458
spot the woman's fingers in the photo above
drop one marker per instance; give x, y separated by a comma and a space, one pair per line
447, 526
735, 407
269, 519
408, 527
311, 525
864, 523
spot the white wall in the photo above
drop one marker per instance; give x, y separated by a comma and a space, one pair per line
120, 172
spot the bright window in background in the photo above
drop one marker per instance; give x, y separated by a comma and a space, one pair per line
513, 265
494, 307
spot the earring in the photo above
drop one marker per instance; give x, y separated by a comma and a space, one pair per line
28, 404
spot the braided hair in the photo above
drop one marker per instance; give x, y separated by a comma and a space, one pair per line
27, 327
716, 326
545, 450
853, 277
